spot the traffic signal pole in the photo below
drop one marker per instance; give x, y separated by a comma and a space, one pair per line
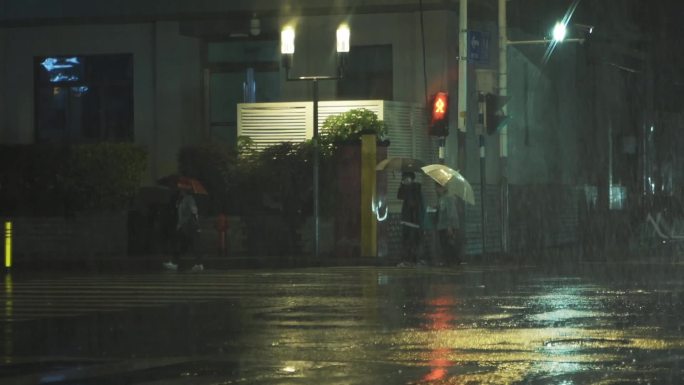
503, 132
463, 66
463, 115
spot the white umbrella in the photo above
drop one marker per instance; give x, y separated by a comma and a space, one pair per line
451, 179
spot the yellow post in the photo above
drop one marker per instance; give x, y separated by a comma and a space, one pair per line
8, 244
369, 227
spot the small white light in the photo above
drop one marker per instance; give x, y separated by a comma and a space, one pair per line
559, 32
343, 38
287, 36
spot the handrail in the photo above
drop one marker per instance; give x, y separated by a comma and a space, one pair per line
657, 227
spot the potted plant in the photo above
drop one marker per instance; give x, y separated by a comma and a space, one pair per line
348, 127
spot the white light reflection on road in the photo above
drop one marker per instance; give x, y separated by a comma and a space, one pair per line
558, 338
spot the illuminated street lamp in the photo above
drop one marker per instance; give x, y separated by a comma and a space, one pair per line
559, 32
287, 49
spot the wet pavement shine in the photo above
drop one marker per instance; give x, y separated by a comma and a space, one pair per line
594, 324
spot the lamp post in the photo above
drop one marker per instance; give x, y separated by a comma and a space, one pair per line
287, 48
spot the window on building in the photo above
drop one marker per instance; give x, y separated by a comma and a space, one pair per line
82, 99
368, 74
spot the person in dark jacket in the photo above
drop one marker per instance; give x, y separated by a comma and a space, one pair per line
187, 227
411, 216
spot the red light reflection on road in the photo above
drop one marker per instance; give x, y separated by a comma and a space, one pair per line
439, 365
440, 318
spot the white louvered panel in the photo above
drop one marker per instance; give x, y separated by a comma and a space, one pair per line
272, 123
398, 120
407, 133
399, 132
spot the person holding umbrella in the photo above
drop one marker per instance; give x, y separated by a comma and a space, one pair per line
187, 226
412, 208
447, 226
449, 185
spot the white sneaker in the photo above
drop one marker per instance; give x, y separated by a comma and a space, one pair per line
198, 267
170, 266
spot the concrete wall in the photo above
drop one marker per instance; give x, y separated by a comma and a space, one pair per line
3, 90
315, 51
168, 81
545, 117
167, 95
167, 9
178, 94
101, 235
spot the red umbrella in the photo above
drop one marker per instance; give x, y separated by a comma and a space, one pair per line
183, 183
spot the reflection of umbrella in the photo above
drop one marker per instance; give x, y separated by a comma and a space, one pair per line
452, 180
400, 164
183, 183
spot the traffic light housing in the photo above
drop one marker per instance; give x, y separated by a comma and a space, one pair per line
439, 115
493, 114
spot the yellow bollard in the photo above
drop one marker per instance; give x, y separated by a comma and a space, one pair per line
8, 244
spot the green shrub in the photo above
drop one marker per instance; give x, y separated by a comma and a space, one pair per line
350, 125
104, 176
32, 179
45, 180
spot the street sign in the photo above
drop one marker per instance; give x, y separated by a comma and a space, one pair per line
478, 47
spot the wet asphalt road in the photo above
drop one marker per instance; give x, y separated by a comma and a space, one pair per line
596, 324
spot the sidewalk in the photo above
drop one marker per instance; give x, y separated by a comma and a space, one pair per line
154, 262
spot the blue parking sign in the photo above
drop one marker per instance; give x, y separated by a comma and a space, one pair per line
478, 47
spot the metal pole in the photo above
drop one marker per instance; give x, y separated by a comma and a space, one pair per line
483, 193
316, 155
315, 169
544, 41
503, 133
463, 66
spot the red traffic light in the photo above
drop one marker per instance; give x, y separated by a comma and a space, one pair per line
439, 117
440, 107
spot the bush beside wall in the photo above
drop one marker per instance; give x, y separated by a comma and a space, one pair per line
48, 180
